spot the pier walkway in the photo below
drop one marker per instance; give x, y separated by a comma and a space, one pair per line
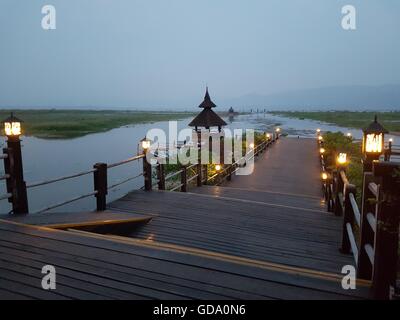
262, 236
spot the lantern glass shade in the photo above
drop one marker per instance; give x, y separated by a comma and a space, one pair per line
373, 143
373, 139
342, 158
145, 143
218, 167
12, 128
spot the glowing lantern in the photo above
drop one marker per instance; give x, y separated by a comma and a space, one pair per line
278, 130
318, 131
251, 145
373, 140
218, 167
268, 136
349, 135
324, 176
320, 138
321, 150
12, 126
145, 143
342, 158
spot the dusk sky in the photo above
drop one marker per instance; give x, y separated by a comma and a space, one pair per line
142, 53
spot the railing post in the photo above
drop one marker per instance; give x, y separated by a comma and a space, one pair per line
222, 150
8, 164
348, 217
161, 176
387, 230
232, 166
16, 171
329, 194
199, 167
388, 151
199, 178
205, 174
100, 185
147, 173
230, 169
184, 179
338, 192
367, 235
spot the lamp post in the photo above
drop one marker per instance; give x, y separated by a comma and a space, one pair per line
373, 143
13, 166
145, 144
277, 130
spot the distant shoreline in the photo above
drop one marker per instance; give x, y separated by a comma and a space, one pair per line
74, 123
349, 119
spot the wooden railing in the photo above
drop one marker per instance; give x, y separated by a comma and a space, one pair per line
371, 234
194, 174
101, 186
391, 151
197, 174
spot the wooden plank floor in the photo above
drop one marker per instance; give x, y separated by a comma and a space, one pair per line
93, 266
275, 215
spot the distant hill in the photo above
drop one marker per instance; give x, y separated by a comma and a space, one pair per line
353, 98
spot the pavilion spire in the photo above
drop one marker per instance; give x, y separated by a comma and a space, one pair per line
207, 118
207, 103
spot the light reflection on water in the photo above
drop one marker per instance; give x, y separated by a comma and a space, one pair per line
46, 159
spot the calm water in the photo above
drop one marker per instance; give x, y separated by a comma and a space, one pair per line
46, 159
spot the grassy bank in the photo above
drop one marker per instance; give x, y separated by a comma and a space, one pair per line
63, 124
358, 120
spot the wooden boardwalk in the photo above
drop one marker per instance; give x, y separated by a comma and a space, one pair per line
263, 236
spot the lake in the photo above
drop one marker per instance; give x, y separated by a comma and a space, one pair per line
46, 159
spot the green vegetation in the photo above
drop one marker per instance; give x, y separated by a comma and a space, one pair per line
63, 124
336, 142
358, 120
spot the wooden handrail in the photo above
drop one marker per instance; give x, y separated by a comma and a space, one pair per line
66, 202
134, 158
356, 211
378, 221
75, 175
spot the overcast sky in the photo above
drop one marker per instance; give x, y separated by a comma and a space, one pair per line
140, 53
